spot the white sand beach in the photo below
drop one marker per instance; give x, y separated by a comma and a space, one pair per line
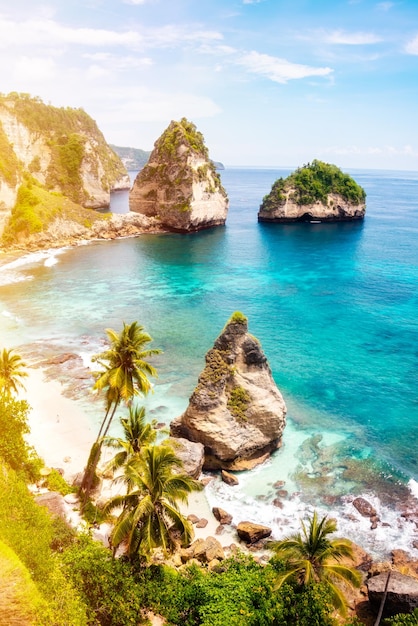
61, 434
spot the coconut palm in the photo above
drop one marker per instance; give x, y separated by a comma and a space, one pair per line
150, 515
11, 371
124, 375
312, 557
138, 433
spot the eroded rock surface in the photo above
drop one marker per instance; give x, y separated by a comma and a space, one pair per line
180, 185
236, 410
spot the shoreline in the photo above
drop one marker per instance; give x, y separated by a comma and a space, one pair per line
62, 435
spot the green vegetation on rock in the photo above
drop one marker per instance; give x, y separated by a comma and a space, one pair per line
238, 402
313, 183
9, 164
36, 209
132, 158
65, 131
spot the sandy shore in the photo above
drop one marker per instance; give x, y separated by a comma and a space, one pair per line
62, 435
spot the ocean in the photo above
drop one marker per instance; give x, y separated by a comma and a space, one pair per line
335, 307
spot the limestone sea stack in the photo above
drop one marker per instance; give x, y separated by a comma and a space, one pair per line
315, 192
180, 185
236, 410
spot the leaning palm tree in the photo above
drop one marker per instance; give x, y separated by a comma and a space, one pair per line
150, 516
137, 434
11, 371
312, 557
124, 375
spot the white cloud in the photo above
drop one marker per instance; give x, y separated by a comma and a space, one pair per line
50, 33
351, 39
34, 69
412, 46
115, 62
279, 70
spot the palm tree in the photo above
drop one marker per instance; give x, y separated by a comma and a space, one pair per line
11, 371
311, 557
150, 516
137, 435
124, 376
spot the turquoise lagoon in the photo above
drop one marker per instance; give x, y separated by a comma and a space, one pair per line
335, 307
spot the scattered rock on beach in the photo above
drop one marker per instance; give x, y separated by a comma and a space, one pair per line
222, 516
251, 533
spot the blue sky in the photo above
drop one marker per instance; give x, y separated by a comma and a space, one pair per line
267, 82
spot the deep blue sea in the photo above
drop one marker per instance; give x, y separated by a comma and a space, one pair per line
335, 307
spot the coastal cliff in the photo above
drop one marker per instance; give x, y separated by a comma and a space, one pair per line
315, 192
180, 185
62, 149
236, 410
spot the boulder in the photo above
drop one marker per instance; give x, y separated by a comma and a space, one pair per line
180, 185
236, 411
402, 593
204, 550
364, 507
54, 502
229, 479
222, 516
202, 523
251, 533
190, 453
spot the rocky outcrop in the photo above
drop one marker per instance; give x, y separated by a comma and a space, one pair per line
190, 453
180, 185
204, 550
402, 593
236, 410
251, 533
316, 192
62, 149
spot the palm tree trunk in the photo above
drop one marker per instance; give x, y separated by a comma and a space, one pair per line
382, 603
94, 457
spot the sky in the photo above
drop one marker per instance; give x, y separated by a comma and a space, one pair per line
268, 82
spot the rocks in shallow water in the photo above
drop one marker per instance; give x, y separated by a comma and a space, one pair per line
402, 593
364, 507
236, 410
251, 533
180, 186
229, 479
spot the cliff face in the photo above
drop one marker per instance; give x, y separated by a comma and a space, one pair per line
63, 149
180, 185
236, 410
316, 192
335, 209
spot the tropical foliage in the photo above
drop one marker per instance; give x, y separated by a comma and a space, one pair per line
124, 375
150, 516
314, 182
137, 433
12, 370
312, 557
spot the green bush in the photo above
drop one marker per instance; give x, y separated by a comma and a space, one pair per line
106, 585
55, 482
403, 619
14, 450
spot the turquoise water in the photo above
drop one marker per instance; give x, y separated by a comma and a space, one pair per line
334, 306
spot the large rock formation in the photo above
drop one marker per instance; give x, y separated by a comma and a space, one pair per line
402, 593
61, 148
316, 192
236, 410
180, 185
